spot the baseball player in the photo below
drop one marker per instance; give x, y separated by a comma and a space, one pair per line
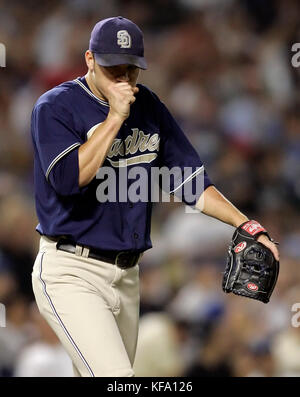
86, 273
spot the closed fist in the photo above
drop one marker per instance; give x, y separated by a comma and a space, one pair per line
120, 96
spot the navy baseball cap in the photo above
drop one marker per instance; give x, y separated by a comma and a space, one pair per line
118, 41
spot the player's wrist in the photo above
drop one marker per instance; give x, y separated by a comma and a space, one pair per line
115, 118
239, 221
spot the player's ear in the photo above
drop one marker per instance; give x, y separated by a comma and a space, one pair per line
90, 60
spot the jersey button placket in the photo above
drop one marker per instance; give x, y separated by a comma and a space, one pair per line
135, 235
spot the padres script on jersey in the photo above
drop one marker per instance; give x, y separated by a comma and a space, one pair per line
137, 142
63, 119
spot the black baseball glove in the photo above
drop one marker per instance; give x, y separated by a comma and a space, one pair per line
251, 269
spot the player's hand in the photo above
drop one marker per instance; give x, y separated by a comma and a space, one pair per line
269, 244
120, 96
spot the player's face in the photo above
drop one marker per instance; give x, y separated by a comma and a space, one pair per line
104, 76
119, 73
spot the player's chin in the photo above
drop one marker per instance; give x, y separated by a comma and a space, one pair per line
132, 83
135, 87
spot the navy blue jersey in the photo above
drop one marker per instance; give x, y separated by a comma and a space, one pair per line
63, 119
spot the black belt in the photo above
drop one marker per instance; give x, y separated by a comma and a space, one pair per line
122, 259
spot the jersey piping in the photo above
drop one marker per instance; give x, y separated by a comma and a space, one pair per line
90, 93
193, 175
57, 158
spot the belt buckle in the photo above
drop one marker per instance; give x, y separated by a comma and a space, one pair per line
130, 264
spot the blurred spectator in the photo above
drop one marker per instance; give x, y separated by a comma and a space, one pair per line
194, 233
199, 300
155, 289
286, 350
213, 357
45, 357
18, 239
158, 349
264, 360
18, 330
254, 360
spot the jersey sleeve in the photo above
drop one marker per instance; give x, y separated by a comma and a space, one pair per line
188, 177
57, 144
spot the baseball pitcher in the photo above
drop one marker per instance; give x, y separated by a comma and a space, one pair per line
86, 273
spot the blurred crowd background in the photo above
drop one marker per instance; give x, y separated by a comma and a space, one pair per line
223, 67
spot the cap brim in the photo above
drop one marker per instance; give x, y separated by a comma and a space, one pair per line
120, 59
